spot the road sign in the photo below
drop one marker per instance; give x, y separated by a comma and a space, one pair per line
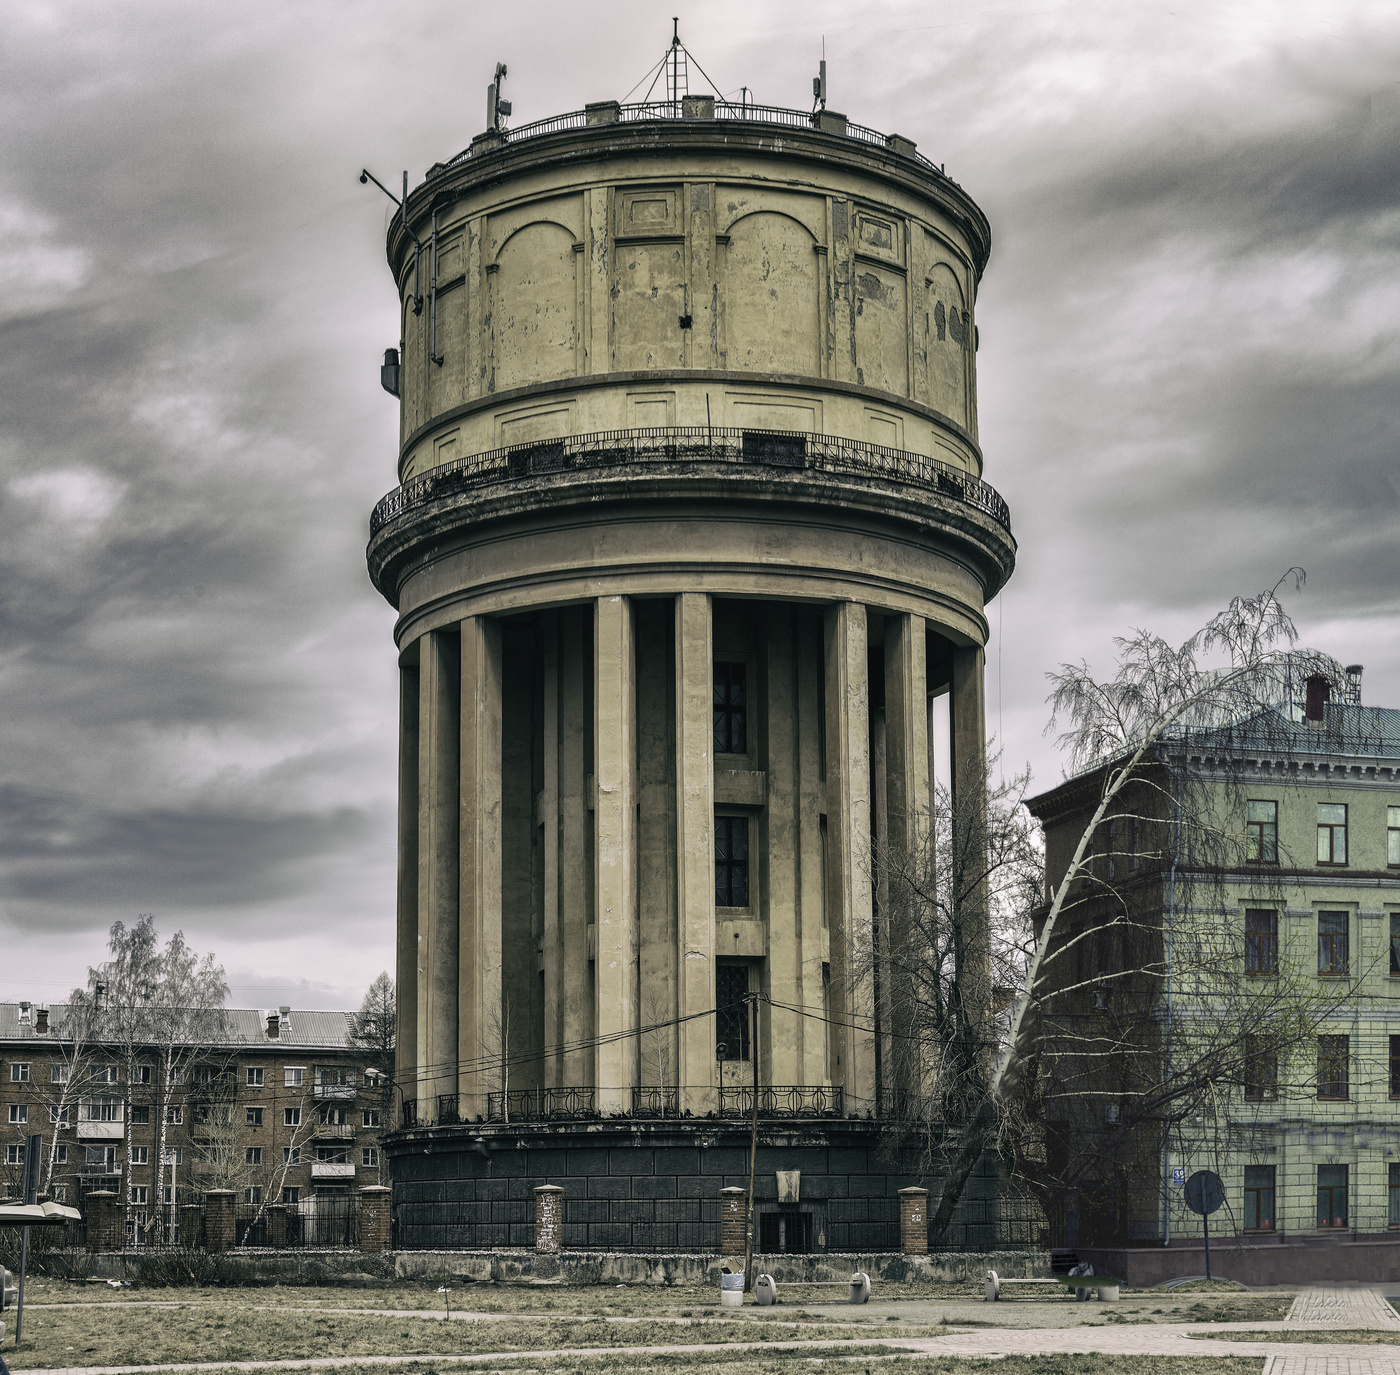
1204, 1192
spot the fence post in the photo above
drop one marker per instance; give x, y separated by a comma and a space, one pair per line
103, 1221
733, 1220
218, 1221
374, 1217
913, 1221
276, 1214
549, 1219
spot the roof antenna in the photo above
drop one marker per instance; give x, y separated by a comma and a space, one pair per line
496, 108
819, 82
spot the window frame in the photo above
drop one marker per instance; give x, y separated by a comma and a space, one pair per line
731, 823
1266, 953
252, 1117
291, 1117
1259, 1190
1395, 1067
291, 1156
252, 1155
731, 711
1258, 829
1392, 837
733, 1019
1332, 828
19, 1071
1261, 1073
19, 1114
139, 1155
1331, 970
1334, 1054
253, 1077
293, 1076
369, 1157
1332, 1189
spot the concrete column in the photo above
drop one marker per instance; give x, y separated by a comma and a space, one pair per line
549, 835
575, 848
103, 1218
695, 859
848, 837
908, 807
479, 1014
615, 842
549, 1220
733, 1221
811, 811
406, 953
374, 1217
969, 762
276, 1214
913, 1221
218, 1221
438, 741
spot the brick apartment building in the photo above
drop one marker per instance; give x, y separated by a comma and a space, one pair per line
280, 1110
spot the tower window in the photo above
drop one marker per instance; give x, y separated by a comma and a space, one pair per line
731, 861
732, 1011
731, 710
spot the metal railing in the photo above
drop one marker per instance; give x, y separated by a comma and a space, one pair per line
654, 1101
791, 450
408, 1113
537, 1104
780, 1100
661, 110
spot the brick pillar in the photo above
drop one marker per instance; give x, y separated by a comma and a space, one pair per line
913, 1222
218, 1221
276, 1214
104, 1221
549, 1220
733, 1220
191, 1225
374, 1217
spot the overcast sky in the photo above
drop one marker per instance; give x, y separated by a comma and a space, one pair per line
1189, 374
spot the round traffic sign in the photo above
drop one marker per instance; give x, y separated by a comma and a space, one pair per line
1204, 1192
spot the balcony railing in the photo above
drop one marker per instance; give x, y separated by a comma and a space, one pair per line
653, 1101
726, 110
408, 1114
334, 1090
780, 1100
529, 1105
785, 449
334, 1131
328, 1169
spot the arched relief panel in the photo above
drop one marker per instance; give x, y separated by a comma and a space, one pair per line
946, 342
532, 289
734, 203
882, 326
771, 295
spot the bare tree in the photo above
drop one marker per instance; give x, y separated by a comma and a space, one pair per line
1122, 735
373, 1034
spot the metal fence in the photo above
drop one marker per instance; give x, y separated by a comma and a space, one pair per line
786, 449
780, 1100
324, 1222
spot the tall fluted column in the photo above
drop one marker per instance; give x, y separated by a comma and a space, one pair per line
406, 952
548, 821
848, 828
969, 761
438, 741
909, 808
481, 1024
575, 853
695, 868
615, 821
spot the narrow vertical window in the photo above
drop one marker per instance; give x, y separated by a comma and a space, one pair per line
731, 710
1331, 1195
1259, 1198
1331, 833
732, 1011
1261, 833
1333, 952
1333, 1076
1110, 852
1392, 837
1135, 844
731, 861
1395, 1066
1394, 1211
1260, 941
1395, 942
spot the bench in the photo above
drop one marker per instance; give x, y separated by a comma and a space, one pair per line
1081, 1284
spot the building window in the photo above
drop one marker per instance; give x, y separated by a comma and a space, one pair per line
332, 1155
1395, 1066
1395, 943
291, 1155
1333, 1076
173, 1155
373, 1079
255, 1078
1259, 1198
369, 1117
141, 1117
334, 1117
103, 1074
1333, 954
19, 1074
58, 1074
293, 1076
19, 1113
1260, 940
291, 1117
291, 1194
1331, 1195
252, 1155
14, 1155
60, 1156
139, 1195
58, 1116
253, 1195
785, 1233
1261, 832
100, 1158
731, 861
1331, 833
254, 1117
369, 1156
1260, 1071
140, 1074
60, 1193
1135, 844
732, 1008
731, 710
1394, 1211
169, 1195
1111, 849
140, 1155
1392, 837
174, 1116
99, 1110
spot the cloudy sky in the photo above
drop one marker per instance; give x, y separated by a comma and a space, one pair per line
1189, 377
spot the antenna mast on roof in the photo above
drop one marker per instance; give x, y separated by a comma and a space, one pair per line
819, 82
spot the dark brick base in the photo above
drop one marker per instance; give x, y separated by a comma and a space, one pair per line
647, 1186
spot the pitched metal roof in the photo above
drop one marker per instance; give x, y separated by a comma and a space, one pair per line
243, 1026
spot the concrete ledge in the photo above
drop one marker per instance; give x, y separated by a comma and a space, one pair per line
1295, 1260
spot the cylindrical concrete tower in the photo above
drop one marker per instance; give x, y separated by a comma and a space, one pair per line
690, 541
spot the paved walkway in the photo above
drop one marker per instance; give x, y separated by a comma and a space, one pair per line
1354, 1308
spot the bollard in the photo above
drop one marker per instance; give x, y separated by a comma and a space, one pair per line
860, 1287
765, 1290
549, 1219
993, 1286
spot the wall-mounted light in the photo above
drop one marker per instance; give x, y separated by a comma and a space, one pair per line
389, 372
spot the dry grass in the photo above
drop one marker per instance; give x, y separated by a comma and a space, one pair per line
1349, 1336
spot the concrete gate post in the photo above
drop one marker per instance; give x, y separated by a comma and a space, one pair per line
913, 1221
276, 1214
374, 1217
103, 1221
218, 1221
549, 1219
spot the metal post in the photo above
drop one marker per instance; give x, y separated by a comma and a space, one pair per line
32, 1146
753, 1142
1205, 1223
